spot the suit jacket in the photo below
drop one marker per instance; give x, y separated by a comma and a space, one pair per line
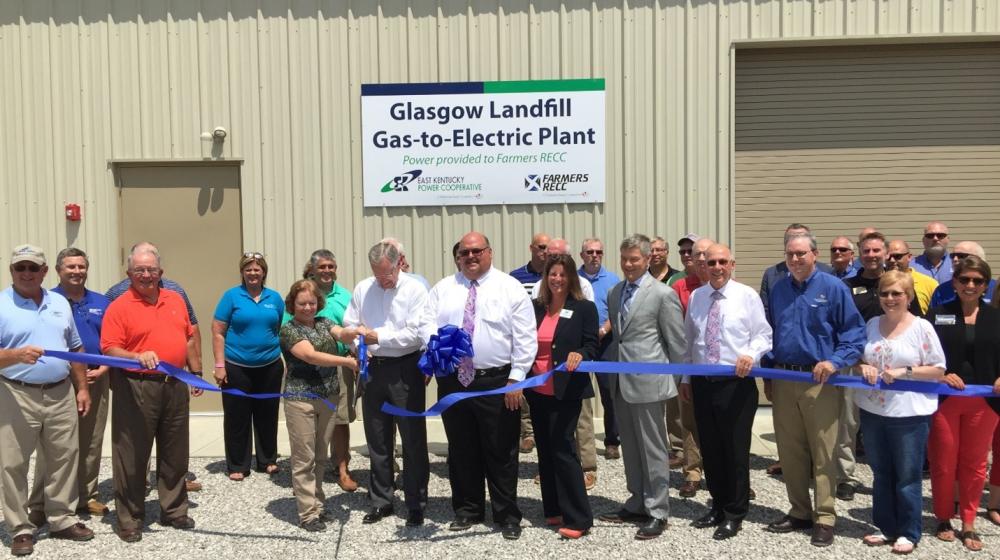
577, 333
986, 343
653, 332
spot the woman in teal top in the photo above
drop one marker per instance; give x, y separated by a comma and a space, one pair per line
309, 343
248, 357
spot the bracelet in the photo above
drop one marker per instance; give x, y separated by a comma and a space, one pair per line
220, 365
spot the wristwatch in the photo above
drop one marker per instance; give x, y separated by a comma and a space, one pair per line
909, 372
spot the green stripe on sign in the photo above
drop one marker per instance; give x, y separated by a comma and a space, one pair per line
533, 86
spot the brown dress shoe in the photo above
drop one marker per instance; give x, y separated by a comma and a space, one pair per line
347, 483
589, 480
612, 452
75, 532
527, 444
183, 522
130, 535
822, 535
690, 488
22, 545
192, 485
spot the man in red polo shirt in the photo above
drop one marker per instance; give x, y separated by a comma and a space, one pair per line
149, 325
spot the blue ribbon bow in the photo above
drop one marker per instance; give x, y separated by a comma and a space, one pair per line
445, 351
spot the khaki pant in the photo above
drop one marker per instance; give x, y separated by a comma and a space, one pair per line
346, 411
310, 427
143, 410
585, 442
682, 427
806, 424
847, 439
91, 440
526, 428
45, 418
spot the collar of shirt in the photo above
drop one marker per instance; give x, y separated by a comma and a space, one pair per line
646, 276
87, 295
464, 280
601, 273
805, 284
28, 303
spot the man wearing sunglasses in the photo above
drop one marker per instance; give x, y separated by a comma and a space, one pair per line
842, 259
38, 407
529, 275
684, 249
899, 259
934, 261
945, 292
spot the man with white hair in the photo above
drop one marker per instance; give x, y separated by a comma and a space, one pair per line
404, 264
945, 291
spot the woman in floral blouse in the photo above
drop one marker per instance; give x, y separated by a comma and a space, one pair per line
309, 345
896, 424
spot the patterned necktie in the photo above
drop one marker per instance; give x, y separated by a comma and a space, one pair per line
713, 330
630, 289
466, 373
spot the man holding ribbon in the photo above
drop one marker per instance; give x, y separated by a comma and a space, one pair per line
482, 432
149, 324
725, 324
387, 309
648, 326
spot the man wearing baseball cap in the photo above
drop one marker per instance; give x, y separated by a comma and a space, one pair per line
38, 408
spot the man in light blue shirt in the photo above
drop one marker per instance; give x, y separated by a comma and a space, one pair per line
38, 408
935, 261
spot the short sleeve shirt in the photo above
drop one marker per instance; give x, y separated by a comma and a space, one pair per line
133, 324
303, 377
48, 325
918, 345
336, 305
252, 333
88, 314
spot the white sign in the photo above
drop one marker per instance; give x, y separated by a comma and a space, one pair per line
440, 144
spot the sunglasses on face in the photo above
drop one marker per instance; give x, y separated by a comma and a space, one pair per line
29, 267
593, 252
891, 294
685, 252
476, 251
974, 280
897, 256
935, 235
959, 256
717, 262
840, 249
541, 247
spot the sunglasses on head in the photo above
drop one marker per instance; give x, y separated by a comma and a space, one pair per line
476, 251
935, 235
840, 249
21, 267
252, 255
974, 280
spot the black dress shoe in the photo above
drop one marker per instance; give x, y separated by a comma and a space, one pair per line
651, 529
377, 514
710, 519
727, 530
415, 518
787, 524
463, 523
845, 491
624, 516
511, 531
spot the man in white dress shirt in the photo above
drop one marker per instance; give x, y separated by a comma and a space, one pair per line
725, 324
386, 309
483, 432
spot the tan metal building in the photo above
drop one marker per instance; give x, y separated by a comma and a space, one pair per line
730, 118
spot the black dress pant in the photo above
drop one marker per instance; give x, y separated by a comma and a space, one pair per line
397, 381
563, 491
724, 411
244, 416
482, 443
607, 399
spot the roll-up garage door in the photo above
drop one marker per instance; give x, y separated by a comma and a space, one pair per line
840, 138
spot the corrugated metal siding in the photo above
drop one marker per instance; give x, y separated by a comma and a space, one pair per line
841, 138
97, 80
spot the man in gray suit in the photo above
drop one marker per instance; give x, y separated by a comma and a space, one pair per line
648, 326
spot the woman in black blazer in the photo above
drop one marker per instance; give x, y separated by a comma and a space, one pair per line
567, 333
962, 428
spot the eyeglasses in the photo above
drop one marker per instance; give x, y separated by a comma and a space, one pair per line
935, 235
891, 294
593, 252
796, 254
897, 256
143, 271
658, 249
252, 255
476, 251
29, 267
840, 249
959, 256
717, 262
685, 252
974, 280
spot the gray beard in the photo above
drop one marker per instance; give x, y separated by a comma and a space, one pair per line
936, 252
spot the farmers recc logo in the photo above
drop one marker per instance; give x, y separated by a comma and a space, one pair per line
553, 182
533, 182
401, 183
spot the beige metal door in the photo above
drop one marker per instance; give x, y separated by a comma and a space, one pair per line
191, 212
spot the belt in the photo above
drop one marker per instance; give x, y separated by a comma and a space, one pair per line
794, 367
42, 386
157, 377
493, 371
386, 360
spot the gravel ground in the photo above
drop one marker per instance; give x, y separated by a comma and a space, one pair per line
256, 518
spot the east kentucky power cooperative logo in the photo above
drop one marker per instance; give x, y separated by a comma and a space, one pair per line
401, 182
554, 182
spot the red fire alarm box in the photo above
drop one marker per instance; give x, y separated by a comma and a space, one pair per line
73, 212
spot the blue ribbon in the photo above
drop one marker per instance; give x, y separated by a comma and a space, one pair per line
445, 351
642, 368
363, 359
173, 371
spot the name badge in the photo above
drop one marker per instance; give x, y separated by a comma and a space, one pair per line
566, 313
944, 320
859, 290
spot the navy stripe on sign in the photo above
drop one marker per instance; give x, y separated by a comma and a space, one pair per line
422, 89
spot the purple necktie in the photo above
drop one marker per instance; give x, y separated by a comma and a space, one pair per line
713, 330
466, 373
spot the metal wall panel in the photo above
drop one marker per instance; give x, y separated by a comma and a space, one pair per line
99, 80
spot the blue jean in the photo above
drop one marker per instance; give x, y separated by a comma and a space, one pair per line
896, 449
